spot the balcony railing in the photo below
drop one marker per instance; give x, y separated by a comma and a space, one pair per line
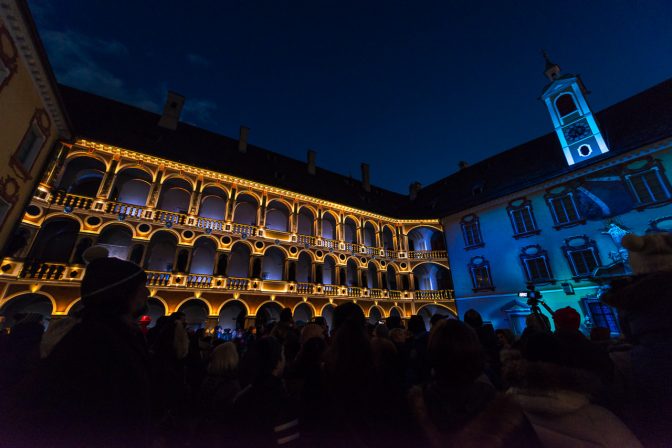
72, 202
305, 288
427, 254
443, 294
43, 271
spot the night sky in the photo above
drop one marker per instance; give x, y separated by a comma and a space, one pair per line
410, 87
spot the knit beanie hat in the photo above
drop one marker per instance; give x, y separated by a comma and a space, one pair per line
108, 284
567, 319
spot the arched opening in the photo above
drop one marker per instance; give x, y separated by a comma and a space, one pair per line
161, 252
431, 277
273, 264
304, 268
427, 311
425, 238
82, 176
277, 216
328, 314
388, 239
245, 211
369, 235
222, 264
117, 239
155, 310
303, 313
375, 314
391, 275
394, 312
328, 226
213, 203
80, 248
350, 231
306, 222
132, 187
55, 241
372, 276
232, 315
175, 195
267, 313
196, 312
565, 104
203, 256
329, 271
352, 278
20, 306
239, 261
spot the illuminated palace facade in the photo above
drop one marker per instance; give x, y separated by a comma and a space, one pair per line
231, 233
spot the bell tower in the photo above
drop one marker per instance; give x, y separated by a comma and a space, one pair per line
577, 130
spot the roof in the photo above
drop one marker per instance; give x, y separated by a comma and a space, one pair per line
107, 121
637, 121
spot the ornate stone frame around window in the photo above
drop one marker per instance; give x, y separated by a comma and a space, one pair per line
517, 204
479, 262
570, 246
559, 192
649, 164
526, 254
471, 219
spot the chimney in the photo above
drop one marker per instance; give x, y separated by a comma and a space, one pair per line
171, 111
242, 140
462, 164
366, 182
311, 161
413, 190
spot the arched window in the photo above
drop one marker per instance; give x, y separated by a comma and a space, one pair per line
273, 265
351, 273
55, 240
82, 176
132, 187
372, 277
162, 248
328, 226
239, 261
117, 239
431, 277
246, 210
175, 195
565, 104
213, 203
388, 239
277, 216
304, 268
203, 256
391, 278
306, 221
369, 235
329, 271
350, 231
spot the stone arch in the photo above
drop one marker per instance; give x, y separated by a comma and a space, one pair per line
399, 311
327, 311
329, 270
203, 256
255, 196
156, 308
431, 276
273, 263
303, 311
27, 302
132, 185
172, 176
82, 175
305, 221
388, 237
268, 311
175, 195
232, 314
372, 275
426, 238
196, 311
239, 260
375, 313
329, 225
245, 209
390, 276
304, 267
214, 200
55, 240
161, 251
350, 229
351, 272
117, 238
427, 310
277, 215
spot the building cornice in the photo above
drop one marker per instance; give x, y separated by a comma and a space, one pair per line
17, 18
239, 181
620, 159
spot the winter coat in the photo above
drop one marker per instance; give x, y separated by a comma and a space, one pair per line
92, 389
557, 401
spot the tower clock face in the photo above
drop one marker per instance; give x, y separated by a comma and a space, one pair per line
576, 131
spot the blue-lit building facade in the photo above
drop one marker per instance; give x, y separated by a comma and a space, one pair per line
552, 212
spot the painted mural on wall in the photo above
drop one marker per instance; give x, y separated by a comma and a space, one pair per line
603, 197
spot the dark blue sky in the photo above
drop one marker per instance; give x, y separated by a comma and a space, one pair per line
410, 87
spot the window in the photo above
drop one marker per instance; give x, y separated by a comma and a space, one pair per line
30, 147
582, 255
471, 232
649, 186
522, 218
565, 105
563, 208
602, 315
535, 263
479, 270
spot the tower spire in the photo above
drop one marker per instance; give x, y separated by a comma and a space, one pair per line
552, 70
